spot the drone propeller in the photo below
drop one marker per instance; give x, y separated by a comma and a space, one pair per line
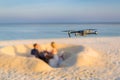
68, 31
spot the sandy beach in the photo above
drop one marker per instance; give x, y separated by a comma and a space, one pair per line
85, 59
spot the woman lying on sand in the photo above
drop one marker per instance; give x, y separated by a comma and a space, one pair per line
55, 60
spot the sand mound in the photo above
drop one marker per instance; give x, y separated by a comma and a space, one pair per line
22, 64
18, 57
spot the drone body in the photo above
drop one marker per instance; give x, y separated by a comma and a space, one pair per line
81, 32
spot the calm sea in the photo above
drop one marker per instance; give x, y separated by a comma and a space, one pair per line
38, 31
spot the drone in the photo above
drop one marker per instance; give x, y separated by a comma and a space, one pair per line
81, 32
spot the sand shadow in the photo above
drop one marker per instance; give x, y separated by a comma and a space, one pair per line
69, 52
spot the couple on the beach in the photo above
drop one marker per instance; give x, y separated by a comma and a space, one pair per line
50, 57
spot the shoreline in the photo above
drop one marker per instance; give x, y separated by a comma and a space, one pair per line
45, 40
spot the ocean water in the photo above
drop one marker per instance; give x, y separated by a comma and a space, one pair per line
41, 31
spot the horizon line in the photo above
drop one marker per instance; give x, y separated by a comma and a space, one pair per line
63, 23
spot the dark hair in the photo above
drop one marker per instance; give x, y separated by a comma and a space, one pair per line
34, 45
52, 43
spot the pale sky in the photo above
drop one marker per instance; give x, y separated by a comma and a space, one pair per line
59, 11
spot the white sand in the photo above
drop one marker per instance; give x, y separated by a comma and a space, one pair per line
85, 59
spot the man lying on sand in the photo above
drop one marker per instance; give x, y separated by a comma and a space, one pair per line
43, 55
